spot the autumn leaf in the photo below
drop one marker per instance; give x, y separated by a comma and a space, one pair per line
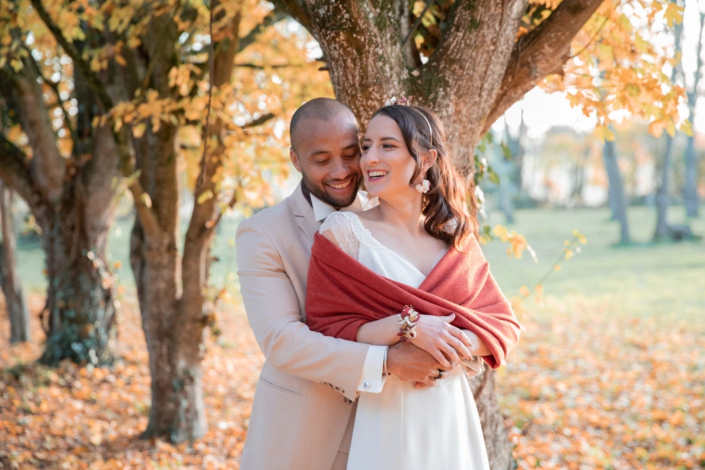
686, 128
673, 14
656, 128
604, 133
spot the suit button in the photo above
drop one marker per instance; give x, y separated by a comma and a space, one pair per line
366, 385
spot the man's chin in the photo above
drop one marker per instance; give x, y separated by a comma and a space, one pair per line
341, 200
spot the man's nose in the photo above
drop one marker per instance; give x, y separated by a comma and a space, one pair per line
341, 171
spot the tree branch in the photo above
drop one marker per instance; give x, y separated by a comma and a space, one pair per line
269, 66
297, 10
259, 121
24, 94
142, 206
540, 53
55, 89
73, 52
15, 171
274, 16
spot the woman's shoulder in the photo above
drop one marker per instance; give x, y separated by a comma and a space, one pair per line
340, 228
337, 220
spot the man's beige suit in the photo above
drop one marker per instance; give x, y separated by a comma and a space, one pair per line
302, 405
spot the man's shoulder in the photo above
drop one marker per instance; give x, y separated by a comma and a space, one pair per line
269, 217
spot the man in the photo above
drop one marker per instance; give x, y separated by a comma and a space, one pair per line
303, 410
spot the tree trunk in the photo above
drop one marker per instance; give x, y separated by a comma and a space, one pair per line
662, 194
72, 201
9, 280
177, 412
80, 312
174, 321
516, 146
492, 420
690, 190
177, 407
616, 189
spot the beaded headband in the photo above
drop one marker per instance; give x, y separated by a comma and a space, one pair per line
407, 102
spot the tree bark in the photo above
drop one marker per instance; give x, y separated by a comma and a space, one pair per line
477, 71
690, 190
9, 280
616, 189
80, 312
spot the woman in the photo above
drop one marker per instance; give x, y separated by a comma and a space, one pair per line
411, 269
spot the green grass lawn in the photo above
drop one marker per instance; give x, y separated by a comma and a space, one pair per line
639, 279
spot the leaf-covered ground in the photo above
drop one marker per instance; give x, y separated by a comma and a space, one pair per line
585, 390
588, 389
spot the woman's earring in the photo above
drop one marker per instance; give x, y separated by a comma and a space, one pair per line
424, 186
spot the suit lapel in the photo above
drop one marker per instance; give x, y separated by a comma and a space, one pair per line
307, 219
304, 214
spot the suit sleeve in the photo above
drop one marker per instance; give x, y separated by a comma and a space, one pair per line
273, 312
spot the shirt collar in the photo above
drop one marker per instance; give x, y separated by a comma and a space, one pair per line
321, 210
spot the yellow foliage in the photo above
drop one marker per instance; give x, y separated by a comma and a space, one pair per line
615, 71
517, 242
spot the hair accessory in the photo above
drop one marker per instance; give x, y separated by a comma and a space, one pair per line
430, 129
424, 186
403, 101
408, 318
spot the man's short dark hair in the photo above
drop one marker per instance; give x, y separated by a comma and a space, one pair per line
320, 109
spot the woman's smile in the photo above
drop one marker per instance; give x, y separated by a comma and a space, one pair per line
376, 175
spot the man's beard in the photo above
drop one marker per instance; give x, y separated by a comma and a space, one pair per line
331, 200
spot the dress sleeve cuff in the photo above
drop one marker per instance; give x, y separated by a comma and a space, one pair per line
371, 380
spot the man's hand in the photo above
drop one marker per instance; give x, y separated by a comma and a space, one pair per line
412, 364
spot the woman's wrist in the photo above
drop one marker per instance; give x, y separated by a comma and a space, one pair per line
408, 318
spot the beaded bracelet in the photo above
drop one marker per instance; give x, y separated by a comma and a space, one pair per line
408, 318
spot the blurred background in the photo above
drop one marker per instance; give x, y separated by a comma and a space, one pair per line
591, 219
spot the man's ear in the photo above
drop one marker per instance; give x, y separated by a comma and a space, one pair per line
294, 159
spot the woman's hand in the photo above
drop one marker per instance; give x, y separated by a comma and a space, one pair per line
446, 343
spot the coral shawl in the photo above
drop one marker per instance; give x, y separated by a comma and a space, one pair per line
342, 294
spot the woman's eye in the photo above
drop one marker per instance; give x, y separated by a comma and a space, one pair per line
388, 146
365, 148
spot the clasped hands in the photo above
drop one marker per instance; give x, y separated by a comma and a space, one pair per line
438, 346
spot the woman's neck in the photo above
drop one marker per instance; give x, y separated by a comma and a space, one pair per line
403, 213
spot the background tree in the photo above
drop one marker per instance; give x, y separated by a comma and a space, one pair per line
665, 230
53, 158
470, 61
690, 190
616, 197
9, 280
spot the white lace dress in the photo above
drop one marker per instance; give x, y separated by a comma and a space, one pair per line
402, 427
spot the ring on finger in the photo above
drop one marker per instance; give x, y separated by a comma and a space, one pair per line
439, 376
